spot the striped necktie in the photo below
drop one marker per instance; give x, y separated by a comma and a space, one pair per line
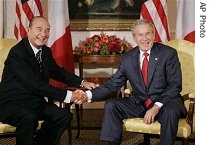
39, 59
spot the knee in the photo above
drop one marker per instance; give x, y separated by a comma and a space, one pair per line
30, 120
109, 105
67, 116
171, 112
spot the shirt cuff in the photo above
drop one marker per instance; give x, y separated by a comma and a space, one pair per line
89, 95
159, 104
68, 97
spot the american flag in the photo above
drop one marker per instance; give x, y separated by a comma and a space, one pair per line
25, 10
2, 17
156, 12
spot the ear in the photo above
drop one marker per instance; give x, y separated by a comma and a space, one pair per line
133, 35
28, 30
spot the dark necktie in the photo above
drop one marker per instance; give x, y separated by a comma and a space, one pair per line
145, 76
39, 59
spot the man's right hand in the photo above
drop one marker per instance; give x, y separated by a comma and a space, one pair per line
79, 97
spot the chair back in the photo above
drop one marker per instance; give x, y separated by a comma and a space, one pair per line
186, 53
5, 46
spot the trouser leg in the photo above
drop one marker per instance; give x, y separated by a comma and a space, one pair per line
115, 111
169, 118
25, 121
56, 120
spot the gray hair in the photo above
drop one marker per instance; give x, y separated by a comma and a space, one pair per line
142, 22
35, 17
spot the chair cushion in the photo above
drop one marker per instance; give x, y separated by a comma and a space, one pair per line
137, 125
6, 128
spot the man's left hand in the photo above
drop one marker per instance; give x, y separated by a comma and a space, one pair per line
89, 85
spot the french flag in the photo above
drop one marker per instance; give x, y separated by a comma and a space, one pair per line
60, 35
185, 23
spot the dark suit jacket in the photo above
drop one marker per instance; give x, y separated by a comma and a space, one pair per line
164, 77
22, 81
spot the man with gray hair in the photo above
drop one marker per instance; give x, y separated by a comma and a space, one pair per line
154, 72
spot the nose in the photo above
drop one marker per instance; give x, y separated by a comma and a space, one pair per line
45, 32
144, 37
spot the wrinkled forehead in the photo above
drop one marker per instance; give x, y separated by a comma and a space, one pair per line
144, 28
39, 22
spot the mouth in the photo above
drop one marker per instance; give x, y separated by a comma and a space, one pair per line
145, 44
42, 39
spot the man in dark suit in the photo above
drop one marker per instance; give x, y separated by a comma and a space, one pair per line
25, 83
160, 90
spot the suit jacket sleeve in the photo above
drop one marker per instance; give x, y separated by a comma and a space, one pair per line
172, 81
105, 90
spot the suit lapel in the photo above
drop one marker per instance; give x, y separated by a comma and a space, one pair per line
137, 69
153, 61
45, 62
32, 58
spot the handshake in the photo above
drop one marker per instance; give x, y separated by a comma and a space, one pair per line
79, 96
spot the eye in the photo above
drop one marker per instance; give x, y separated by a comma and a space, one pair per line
148, 33
39, 29
140, 34
47, 31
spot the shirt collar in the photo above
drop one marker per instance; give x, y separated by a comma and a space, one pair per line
35, 50
142, 52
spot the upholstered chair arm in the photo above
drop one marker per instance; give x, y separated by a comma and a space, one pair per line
191, 109
127, 92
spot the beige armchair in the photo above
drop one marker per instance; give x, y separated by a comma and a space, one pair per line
186, 126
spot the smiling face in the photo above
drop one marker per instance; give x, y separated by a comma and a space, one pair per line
143, 35
38, 31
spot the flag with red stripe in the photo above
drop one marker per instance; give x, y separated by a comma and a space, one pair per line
25, 11
156, 12
185, 23
60, 35
2, 17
